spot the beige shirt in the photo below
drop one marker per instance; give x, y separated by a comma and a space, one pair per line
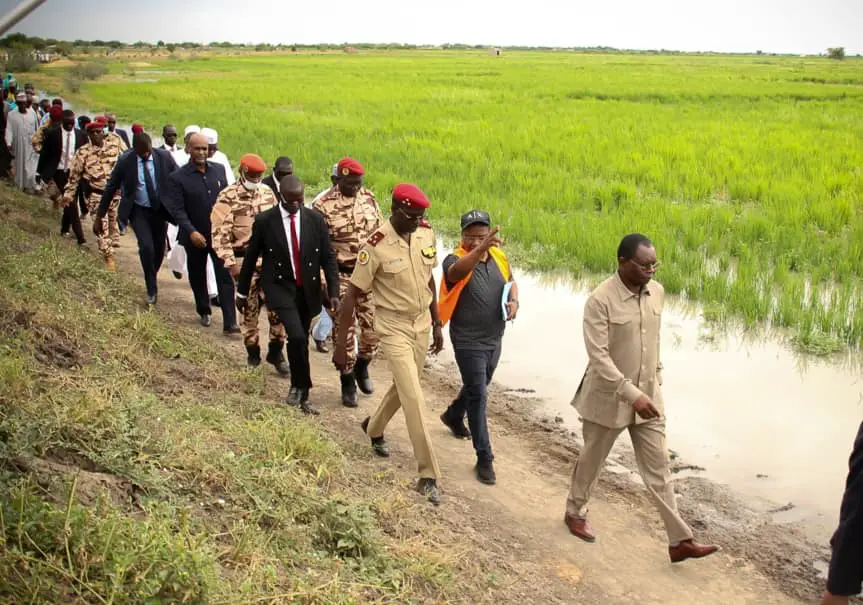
621, 334
397, 272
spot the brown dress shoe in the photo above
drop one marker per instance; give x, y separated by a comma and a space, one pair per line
579, 528
690, 549
321, 346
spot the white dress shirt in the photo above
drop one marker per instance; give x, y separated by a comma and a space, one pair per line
286, 223
221, 158
67, 150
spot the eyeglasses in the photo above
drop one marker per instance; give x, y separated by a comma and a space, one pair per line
648, 266
411, 217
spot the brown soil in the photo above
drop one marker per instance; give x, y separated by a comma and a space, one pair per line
515, 527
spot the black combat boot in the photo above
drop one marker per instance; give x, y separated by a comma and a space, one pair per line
485, 469
276, 357
254, 358
349, 390
361, 371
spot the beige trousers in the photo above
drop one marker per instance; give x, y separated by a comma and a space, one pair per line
651, 456
405, 343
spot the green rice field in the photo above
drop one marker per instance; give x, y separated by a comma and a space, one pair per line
747, 172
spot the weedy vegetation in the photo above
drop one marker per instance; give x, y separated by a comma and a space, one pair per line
746, 171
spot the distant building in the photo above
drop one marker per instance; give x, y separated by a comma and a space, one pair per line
496, 52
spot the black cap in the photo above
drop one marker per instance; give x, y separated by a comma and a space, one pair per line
475, 217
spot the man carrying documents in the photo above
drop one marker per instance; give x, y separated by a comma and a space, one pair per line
477, 295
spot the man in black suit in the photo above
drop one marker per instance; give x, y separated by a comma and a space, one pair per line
60, 141
191, 194
846, 565
282, 167
142, 175
295, 244
112, 127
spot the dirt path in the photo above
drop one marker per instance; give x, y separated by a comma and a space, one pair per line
518, 522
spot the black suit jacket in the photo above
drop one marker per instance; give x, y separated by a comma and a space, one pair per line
124, 176
846, 570
277, 275
52, 149
271, 183
190, 198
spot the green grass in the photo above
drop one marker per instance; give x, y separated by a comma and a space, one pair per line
138, 466
746, 171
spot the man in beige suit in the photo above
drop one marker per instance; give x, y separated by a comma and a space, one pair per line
620, 390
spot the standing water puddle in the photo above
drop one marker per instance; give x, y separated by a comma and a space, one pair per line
748, 413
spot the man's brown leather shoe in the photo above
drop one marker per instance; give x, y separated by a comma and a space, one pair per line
579, 528
689, 549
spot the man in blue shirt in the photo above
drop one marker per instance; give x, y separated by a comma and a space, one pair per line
142, 175
191, 195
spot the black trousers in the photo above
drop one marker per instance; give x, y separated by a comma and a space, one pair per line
150, 230
196, 264
297, 320
71, 219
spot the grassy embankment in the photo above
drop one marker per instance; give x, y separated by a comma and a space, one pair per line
744, 170
139, 466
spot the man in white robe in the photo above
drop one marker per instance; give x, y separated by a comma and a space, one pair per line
21, 125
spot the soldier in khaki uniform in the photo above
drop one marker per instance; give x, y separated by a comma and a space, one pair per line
93, 164
621, 390
232, 217
396, 266
352, 215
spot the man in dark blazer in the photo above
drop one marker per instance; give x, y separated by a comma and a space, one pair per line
282, 167
845, 578
59, 144
142, 175
191, 195
295, 244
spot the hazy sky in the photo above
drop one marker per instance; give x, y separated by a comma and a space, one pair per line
795, 26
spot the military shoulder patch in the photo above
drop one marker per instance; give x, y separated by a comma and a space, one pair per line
375, 238
363, 257
429, 252
425, 223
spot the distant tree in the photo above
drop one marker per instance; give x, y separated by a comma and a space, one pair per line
64, 48
837, 53
171, 47
759, 52
160, 44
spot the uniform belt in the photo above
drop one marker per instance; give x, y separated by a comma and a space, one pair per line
239, 253
345, 269
96, 190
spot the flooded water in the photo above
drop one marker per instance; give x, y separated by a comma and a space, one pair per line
774, 429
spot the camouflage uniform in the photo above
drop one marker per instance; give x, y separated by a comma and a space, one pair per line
232, 219
39, 136
94, 165
351, 222
116, 139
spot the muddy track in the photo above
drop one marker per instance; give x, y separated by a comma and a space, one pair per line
516, 526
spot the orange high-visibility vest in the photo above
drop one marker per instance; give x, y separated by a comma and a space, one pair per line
448, 297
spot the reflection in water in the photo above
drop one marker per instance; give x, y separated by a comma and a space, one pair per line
771, 424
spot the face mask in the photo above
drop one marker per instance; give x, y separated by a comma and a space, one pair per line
250, 186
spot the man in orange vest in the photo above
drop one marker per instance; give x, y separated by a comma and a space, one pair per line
477, 295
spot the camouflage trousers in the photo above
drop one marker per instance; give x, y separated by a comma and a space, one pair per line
249, 324
110, 231
364, 315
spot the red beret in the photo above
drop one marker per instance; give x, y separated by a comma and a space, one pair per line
410, 196
136, 128
253, 163
100, 120
350, 166
95, 126
56, 113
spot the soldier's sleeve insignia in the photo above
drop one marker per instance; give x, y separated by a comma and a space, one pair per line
424, 222
375, 238
429, 252
363, 257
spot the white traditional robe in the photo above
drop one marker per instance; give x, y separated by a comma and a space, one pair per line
20, 128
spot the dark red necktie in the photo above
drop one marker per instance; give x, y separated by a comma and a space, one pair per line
295, 247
